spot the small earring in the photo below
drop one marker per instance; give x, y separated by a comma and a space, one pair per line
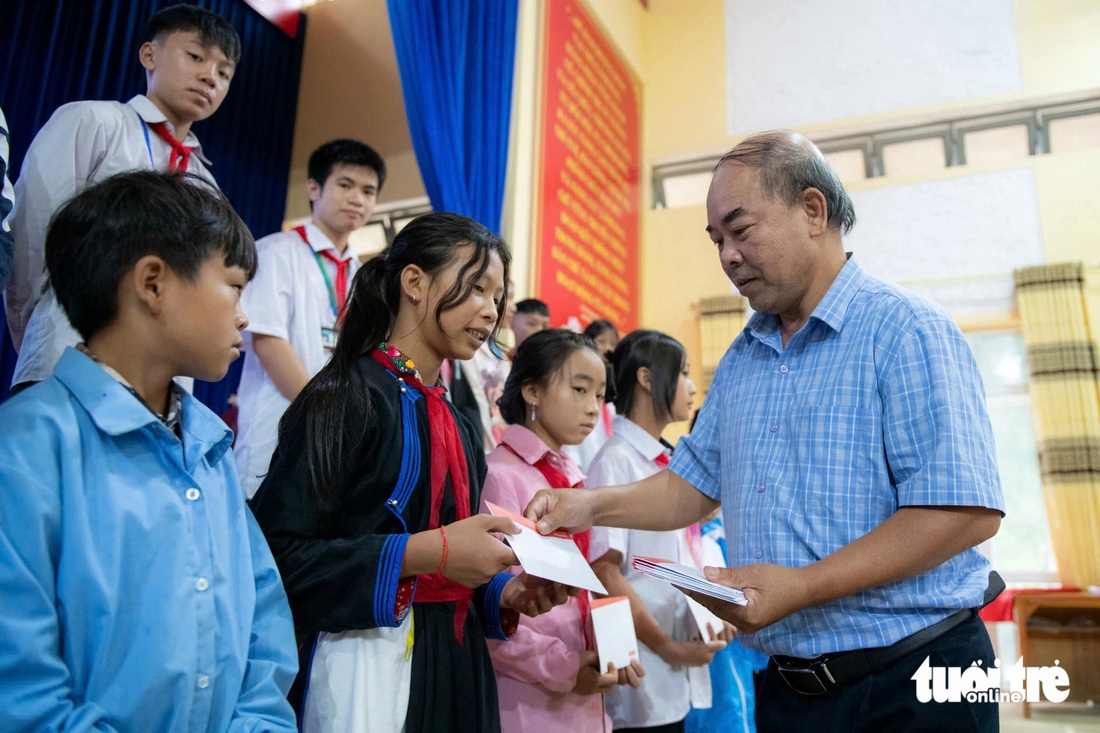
532, 413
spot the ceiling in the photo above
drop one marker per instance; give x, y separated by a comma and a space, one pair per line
350, 87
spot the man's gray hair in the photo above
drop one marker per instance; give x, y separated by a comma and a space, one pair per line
787, 164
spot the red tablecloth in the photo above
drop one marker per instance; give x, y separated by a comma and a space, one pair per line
1001, 607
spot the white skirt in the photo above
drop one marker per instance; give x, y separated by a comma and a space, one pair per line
359, 681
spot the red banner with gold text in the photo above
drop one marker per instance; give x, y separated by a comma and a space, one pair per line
589, 180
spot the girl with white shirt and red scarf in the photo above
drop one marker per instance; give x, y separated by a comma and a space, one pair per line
652, 390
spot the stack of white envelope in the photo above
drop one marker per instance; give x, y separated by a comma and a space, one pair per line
687, 578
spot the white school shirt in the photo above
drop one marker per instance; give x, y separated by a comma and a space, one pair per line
81, 144
666, 693
288, 299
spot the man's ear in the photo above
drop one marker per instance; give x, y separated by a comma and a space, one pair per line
150, 278
817, 211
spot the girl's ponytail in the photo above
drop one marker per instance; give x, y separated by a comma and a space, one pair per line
338, 390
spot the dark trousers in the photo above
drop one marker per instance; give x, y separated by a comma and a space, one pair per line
886, 700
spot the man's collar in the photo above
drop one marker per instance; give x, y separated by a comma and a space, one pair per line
832, 310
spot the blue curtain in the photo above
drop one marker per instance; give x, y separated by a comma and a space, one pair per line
456, 59
58, 51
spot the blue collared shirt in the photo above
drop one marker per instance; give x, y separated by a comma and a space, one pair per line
138, 592
875, 404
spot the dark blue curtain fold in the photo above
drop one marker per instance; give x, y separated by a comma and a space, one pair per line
456, 59
58, 51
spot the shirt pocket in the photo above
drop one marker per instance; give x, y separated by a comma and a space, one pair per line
834, 450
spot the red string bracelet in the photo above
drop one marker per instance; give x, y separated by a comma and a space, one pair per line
443, 560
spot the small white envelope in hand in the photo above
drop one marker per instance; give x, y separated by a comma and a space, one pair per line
614, 628
554, 556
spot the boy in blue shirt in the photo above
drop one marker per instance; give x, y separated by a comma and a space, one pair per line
138, 592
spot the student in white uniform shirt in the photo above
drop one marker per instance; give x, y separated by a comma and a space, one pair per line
189, 55
653, 389
295, 301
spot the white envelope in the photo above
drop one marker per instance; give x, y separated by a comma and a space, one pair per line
554, 556
687, 578
613, 625
703, 616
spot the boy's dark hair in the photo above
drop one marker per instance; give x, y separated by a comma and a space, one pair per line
212, 29
598, 327
538, 359
532, 305
101, 233
431, 242
348, 152
665, 358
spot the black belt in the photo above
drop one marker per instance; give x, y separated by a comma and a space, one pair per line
830, 672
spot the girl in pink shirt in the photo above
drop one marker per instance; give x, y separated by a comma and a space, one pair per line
548, 675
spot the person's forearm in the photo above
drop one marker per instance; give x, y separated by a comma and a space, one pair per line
423, 553
912, 541
660, 502
281, 364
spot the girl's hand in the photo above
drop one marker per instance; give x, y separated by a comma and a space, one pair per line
589, 679
696, 653
631, 675
474, 555
532, 596
726, 634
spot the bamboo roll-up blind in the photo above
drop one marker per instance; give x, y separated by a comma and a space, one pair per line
1060, 319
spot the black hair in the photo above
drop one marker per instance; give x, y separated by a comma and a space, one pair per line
665, 358
100, 234
537, 360
532, 305
599, 327
212, 29
431, 242
347, 152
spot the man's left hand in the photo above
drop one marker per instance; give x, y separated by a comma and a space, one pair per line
533, 596
773, 592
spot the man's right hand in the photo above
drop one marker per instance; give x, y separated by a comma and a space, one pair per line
572, 511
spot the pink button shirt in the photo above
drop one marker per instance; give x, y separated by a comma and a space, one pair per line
537, 668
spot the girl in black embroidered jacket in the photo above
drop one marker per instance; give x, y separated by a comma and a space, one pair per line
367, 502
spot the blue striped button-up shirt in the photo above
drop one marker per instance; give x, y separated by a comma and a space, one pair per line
136, 590
875, 404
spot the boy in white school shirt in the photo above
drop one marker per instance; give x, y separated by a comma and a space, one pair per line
189, 55
300, 288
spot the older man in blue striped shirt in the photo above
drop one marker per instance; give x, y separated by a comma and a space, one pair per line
846, 436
